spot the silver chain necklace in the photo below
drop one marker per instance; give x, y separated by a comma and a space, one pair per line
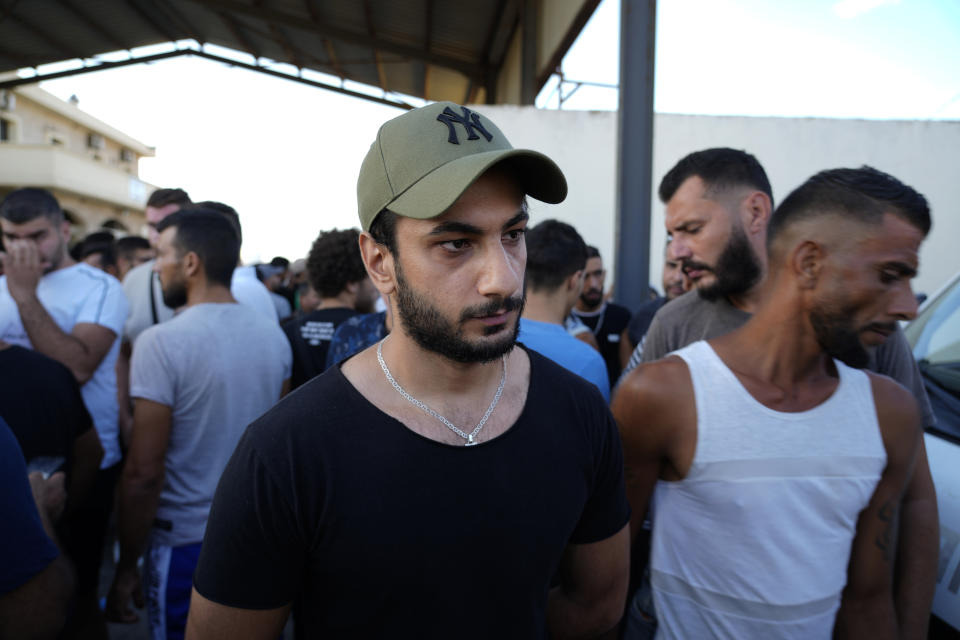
469, 437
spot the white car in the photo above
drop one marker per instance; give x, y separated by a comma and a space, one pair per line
935, 337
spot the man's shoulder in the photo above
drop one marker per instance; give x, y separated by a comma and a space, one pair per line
87, 278
555, 375
329, 395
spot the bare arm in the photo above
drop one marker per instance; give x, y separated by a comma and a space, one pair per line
593, 588
655, 410
626, 350
137, 499
866, 609
81, 350
916, 568
285, 389
209, 620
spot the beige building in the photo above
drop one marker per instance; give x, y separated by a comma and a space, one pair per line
88, 165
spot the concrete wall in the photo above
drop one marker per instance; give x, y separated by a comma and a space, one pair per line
924, 154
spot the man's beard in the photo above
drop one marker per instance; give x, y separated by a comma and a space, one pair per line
432, 331
737, 269
175, 294
837, 337
55, 260
592, 298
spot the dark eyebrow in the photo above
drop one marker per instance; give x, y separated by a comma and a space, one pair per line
452, 226
522, 216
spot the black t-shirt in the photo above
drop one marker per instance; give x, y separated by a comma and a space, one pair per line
607, 325
375, 531
41, 401
309, 337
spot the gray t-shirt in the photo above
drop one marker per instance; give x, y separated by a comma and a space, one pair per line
690, 318
219, 367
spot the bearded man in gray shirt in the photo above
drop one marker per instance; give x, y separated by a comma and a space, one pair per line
718, 205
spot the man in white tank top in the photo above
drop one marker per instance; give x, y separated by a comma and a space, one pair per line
778, 469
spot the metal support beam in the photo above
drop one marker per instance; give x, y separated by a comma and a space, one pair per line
528, 61
469, 69
103, 66
638, 30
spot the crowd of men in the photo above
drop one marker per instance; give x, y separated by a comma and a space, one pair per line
439, 424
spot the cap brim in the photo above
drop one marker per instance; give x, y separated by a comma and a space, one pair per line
538, 175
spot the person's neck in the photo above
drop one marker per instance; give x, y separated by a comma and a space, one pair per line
749, 300
426, 373
777, 344
551, 308
207, 292
342, 301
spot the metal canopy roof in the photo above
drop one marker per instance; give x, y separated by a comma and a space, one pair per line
493, 51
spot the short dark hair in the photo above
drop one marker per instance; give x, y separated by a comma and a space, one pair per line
164, 197
384, 230
720, 169
280, 261
334, 262
592, 252
127, 245
210, 235
226, 210
555, 251
29, 203
863, 194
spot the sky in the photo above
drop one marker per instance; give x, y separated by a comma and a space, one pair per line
286, 155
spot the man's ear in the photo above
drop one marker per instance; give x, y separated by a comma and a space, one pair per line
806, 262
65, 231
191, 264
379, 263
756, 209
575, 281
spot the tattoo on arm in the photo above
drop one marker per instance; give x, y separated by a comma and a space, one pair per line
887, 538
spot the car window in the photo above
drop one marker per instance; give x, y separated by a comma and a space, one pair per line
935, 334
935, 337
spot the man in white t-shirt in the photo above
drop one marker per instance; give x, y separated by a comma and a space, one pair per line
141, 281
197, 381
73, 313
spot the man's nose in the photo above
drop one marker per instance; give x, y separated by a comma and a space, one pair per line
679, 249
500, 274
904, 304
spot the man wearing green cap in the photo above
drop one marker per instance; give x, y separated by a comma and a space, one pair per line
444, 482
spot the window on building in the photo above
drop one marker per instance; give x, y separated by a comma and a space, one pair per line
4, 130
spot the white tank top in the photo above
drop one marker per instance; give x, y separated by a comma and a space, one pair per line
754, 542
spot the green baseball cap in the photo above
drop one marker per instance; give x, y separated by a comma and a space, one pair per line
423, 160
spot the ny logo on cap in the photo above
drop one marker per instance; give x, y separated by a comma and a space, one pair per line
469, 120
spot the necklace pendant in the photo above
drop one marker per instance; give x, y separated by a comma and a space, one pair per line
470, 442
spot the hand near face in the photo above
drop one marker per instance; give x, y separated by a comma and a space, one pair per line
23, 266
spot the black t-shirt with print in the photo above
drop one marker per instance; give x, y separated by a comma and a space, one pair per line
309, 337
375, 531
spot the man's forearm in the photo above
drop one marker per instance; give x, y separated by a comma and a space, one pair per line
138, 500
916, 567
873, 617
568, 617
49, 339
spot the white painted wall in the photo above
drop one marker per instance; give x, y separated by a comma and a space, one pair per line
924, 154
